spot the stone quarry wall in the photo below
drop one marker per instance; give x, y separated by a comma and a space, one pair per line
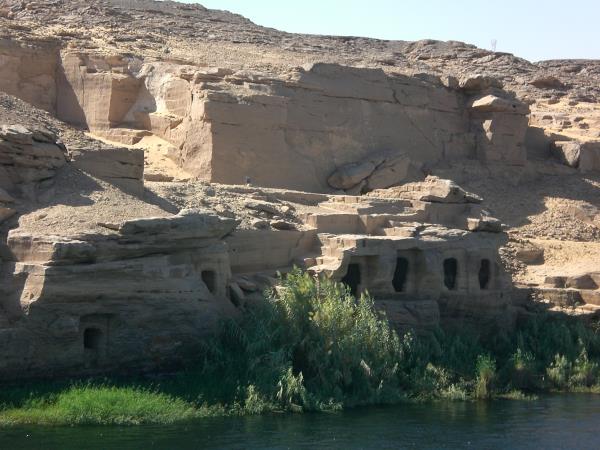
144, 293
288, 131
29, 72
28, 160
294, 132
141, 297
94, 91
428, 253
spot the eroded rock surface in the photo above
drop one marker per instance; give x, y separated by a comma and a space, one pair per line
153, 182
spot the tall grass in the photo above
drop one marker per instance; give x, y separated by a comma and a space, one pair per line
310, 346
105, 405
313, 346
486, 374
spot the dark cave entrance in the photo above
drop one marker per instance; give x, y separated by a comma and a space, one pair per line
400, 274
450, 273
92, 339
484, 274
352, 278
209, 277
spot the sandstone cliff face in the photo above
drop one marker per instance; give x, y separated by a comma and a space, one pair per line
290, 131
28, 158
28, 72
86, 289
140, 297
294, 133
102, 268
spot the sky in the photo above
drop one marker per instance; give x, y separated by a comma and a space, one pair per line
532, 29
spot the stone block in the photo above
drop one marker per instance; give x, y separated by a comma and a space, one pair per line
567, 152
492, 103
583, 281
555, 281
488, 224
120, 166
530, 255
350, 175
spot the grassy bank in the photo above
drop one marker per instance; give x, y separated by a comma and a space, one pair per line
313, 347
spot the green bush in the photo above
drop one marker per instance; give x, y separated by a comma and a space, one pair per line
559, 372
311, 345
486, 374
522, 366
584, 372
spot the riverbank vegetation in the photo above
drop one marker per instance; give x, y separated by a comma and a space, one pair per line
312, 347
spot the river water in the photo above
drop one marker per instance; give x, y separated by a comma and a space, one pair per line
553, 422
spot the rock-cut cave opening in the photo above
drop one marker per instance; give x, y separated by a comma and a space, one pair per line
352, 278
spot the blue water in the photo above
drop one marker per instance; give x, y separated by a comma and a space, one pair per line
553, 422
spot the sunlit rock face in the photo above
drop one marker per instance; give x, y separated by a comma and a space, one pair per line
142, 295
167, 161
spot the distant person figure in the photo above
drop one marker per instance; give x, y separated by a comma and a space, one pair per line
247, 180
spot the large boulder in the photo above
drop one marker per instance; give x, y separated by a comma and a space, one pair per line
547, 82
436, 190
584, 156
392, 171
492, 103
28, 155
589, 159
379, 171
478, 82
348, 176
530, 254
484, 223
189, 223
581, 281
17, 134
568, 152
500, 125
123, 167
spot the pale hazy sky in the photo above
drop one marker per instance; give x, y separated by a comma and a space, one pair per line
532, 29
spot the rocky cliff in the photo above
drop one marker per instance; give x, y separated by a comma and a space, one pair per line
153, 182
